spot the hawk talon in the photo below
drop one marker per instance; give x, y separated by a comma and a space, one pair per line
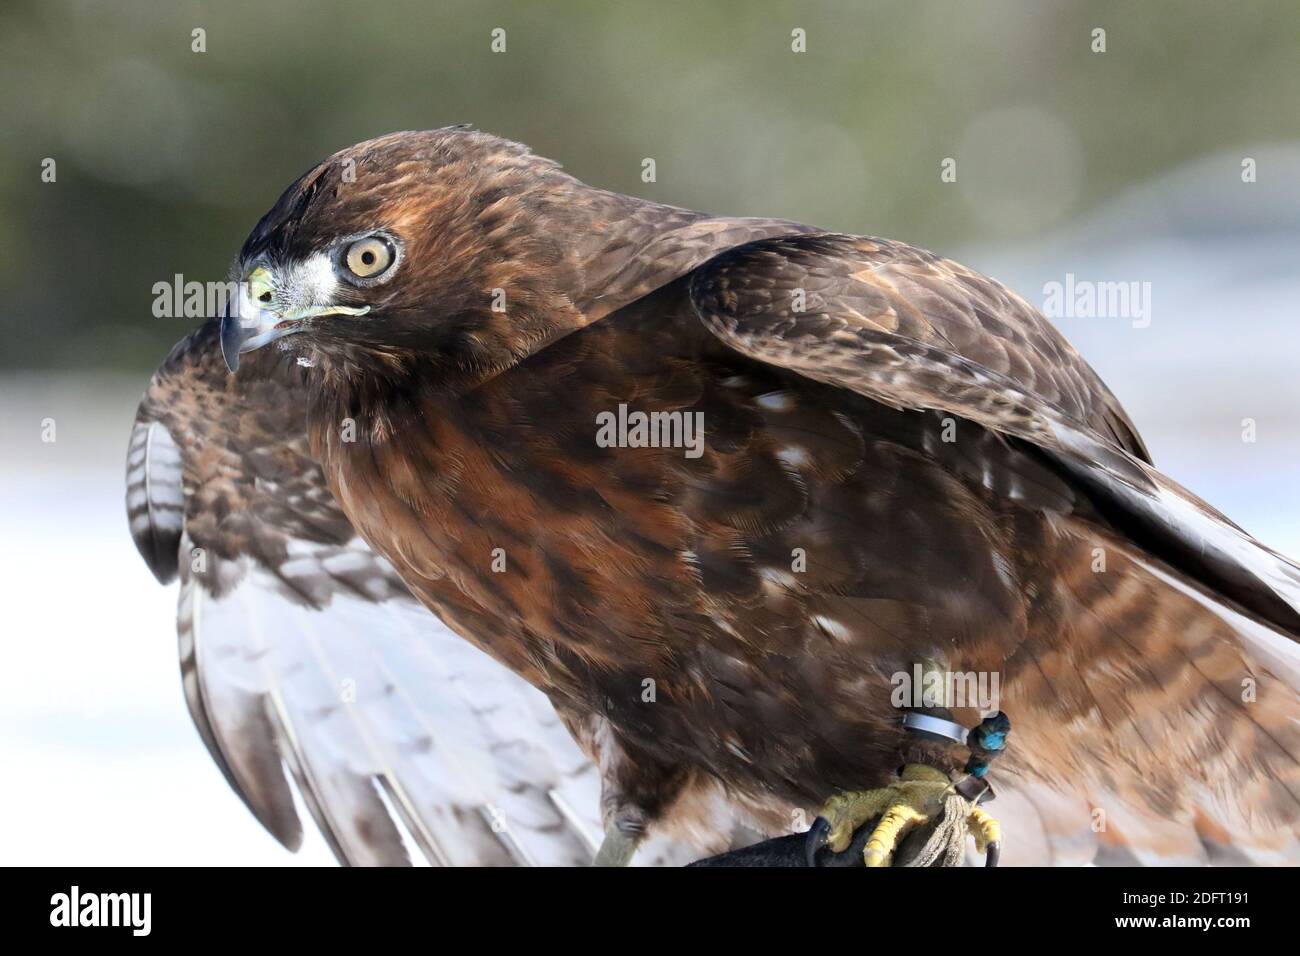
817, 837
921, 796
988, 835
894, 824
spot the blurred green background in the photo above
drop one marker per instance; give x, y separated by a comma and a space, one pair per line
167, 157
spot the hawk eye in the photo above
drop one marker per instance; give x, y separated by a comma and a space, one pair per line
370, 257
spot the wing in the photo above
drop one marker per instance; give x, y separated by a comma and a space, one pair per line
301, 649
1144, 671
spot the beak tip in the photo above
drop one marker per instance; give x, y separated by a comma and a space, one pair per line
231, 338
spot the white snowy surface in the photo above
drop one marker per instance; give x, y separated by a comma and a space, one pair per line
101, 765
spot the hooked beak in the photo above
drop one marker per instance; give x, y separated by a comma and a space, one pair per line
243, 331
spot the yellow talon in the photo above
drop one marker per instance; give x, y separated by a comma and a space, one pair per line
892, 826
986, 829
846, 812
916, 797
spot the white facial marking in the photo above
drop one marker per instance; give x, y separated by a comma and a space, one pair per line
311, 282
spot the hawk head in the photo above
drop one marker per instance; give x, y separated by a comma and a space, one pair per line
416, 241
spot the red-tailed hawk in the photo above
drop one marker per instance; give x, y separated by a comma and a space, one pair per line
711, 485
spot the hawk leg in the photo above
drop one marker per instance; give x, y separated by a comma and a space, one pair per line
921, 797
618, 847
635, 787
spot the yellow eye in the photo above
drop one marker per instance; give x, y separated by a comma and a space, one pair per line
367, 258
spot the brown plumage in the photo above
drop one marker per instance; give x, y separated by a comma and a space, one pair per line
302, 650
960, 484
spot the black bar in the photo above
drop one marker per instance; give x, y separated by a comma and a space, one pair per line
578, 907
